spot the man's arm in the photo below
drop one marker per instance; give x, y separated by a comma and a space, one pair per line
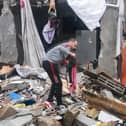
51, 5
64, 50
72, 54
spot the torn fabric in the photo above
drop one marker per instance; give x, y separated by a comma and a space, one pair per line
33, 48
89, 11
48, 33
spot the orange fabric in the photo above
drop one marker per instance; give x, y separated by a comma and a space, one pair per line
123, 66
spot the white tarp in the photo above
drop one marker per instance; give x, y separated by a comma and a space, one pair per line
89, 11
33, 48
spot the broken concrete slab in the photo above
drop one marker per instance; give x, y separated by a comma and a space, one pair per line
69, 117
19, 84
19, 121
6, 111
45, 121
83, 120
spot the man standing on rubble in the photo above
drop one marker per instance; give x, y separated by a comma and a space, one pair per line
52, 60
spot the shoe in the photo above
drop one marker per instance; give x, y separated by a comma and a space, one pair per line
49, 112
73, 94
61, 109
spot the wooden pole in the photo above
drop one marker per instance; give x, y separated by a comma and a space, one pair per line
101, 102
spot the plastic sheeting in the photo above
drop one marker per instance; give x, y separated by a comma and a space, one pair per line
33, 48
26, 71
89, 11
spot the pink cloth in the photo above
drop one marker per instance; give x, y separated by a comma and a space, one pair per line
74, 80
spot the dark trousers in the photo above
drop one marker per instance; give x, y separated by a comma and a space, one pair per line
56, 87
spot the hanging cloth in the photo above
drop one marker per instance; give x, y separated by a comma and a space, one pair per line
89, 11
32, 45
48, 33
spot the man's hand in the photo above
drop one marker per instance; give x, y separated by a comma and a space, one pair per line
51, 6
73, 54
64, 62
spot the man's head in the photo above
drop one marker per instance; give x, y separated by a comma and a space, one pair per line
52, 15
73, 43
53, 18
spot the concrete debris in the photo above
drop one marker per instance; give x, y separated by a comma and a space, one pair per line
25, 120
91, 112
24, 90
19, 85
6, 111
105, 81
83, 120
70, 117
102, 102
44, 121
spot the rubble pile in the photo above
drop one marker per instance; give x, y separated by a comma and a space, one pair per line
24, 90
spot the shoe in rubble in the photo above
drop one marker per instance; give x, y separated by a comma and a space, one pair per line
61, 109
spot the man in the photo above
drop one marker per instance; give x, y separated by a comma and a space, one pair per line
54, 57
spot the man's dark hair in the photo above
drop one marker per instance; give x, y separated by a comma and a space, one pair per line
52, 15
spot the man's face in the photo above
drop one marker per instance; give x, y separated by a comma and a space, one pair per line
52, 22
74, 45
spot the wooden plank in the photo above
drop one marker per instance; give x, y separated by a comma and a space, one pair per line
114, 106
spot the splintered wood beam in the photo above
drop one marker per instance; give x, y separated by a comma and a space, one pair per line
98, 101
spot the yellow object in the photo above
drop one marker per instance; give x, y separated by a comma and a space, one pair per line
100, 124
20, 106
